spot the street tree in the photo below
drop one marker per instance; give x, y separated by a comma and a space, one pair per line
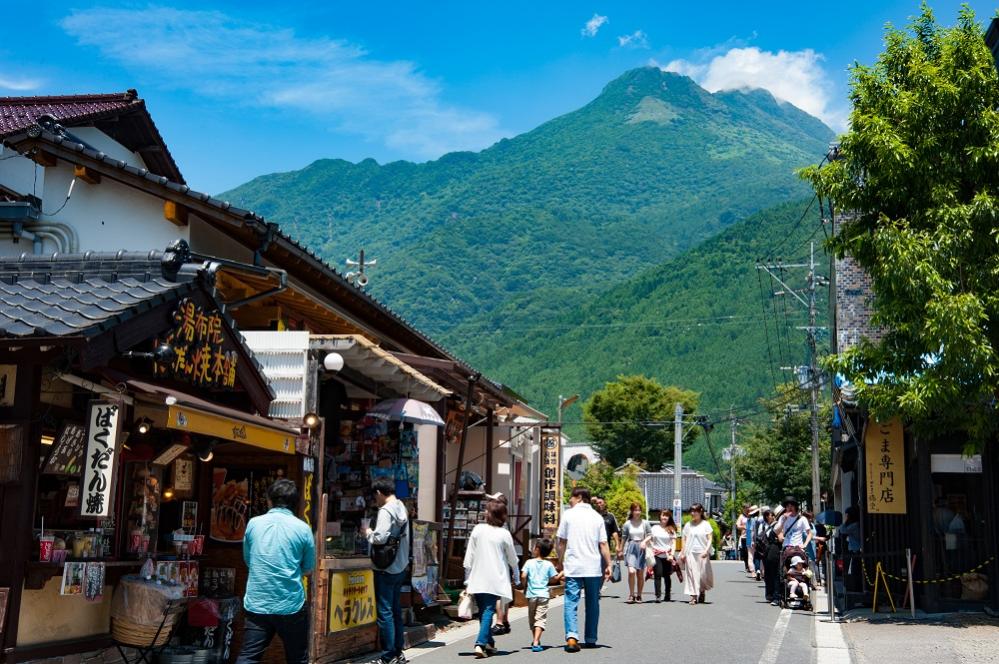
625, 419
777, 454
919, 169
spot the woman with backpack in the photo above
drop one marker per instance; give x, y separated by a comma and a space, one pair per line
636, 534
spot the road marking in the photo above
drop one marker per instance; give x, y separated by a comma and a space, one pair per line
770, 653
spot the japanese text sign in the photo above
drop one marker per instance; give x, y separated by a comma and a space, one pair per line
884, 450
352, 599
551, 479
199, 344
103, 426
8, 376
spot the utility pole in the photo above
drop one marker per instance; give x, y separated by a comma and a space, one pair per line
813, 375
776, 272
732, 455
678, 463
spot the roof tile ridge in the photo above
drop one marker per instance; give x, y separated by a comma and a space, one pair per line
127, 96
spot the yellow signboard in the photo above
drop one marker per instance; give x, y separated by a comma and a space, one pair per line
884, 450
193, 420
352, 599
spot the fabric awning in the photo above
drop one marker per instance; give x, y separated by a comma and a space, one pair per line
184, 412
366, 358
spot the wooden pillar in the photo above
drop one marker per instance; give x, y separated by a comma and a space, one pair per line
929, 547
490, 471
991, 500
18, 498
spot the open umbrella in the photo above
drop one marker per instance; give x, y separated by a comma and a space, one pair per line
406, 410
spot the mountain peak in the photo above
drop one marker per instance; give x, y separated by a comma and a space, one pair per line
643, 81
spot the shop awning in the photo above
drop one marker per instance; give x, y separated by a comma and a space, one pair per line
366, 358
183, 412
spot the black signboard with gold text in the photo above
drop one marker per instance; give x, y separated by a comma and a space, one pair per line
202, 354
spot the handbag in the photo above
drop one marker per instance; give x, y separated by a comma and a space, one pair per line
650, 558
383, 555
465, 606
616, 572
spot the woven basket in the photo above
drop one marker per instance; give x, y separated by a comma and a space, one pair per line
133, 634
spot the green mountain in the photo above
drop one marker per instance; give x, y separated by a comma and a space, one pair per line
699, 320
650, 168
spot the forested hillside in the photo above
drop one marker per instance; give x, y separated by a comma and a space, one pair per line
650, 168
703, 320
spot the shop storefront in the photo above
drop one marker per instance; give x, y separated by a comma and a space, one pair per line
376, 418
132, 455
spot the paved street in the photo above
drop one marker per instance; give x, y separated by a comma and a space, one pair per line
736, 626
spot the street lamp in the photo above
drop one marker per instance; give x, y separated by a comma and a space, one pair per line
564, 403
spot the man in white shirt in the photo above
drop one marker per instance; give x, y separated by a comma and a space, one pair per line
586, 563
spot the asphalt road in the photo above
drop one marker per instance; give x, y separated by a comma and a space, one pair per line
735, 626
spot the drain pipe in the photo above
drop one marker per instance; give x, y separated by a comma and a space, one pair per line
38, 233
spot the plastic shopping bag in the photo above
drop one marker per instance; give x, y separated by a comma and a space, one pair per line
465, 606
616, 572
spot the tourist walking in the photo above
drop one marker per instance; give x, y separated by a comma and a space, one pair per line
391, 531
636, 534
770, 553
663, 545
740, 527
751, 520
696, 555
586, 563
793, 528
502, 607
490, 566
535, 577
279, 550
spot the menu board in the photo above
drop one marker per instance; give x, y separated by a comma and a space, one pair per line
68, 448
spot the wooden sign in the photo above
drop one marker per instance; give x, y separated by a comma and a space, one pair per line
99, 464
169, 454
202, 353
352, 599
884, 450
8, 378
66, 457
183, 476
551, 479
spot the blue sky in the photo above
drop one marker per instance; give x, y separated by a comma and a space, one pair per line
240, 89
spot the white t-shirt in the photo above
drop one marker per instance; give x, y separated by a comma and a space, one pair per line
797, 532
663, 541
490, 561
583, 530
697, 539
633, 532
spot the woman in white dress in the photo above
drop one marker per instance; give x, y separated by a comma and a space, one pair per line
696, 556
490, 567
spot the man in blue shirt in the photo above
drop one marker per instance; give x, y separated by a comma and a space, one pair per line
279, 550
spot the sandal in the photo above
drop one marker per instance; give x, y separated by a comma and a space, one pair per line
693, 601
630, 600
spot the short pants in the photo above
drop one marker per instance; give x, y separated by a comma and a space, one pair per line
537, 612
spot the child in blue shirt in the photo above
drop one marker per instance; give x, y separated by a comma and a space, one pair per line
535, 577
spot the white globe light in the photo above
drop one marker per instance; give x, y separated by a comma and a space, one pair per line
333, 362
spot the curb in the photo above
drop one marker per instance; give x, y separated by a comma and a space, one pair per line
829, 642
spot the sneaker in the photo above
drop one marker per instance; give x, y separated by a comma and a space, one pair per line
759, 577
537, 648
480, 652
775, 603
571, 645
490, 650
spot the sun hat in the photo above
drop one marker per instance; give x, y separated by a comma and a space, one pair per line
755, 509
797, 560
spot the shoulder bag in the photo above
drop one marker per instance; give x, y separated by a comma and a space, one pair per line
383, 555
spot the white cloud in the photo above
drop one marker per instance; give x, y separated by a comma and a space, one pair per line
216, 55
593, 25
796, 77
636, 39
18, 84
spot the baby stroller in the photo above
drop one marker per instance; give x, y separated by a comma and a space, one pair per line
789, 557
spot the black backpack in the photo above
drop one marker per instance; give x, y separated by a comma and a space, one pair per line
383, 555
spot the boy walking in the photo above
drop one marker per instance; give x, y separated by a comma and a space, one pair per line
535, 577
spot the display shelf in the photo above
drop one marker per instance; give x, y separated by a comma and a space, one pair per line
38, 573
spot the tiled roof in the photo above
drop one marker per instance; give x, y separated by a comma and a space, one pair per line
79, 295
658, 489
20, 113
123, 113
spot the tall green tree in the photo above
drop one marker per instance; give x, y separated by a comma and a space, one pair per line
777, 455
624, 420
920, 169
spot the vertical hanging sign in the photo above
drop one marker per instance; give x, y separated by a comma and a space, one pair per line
884, 451
551, 479
103, 428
